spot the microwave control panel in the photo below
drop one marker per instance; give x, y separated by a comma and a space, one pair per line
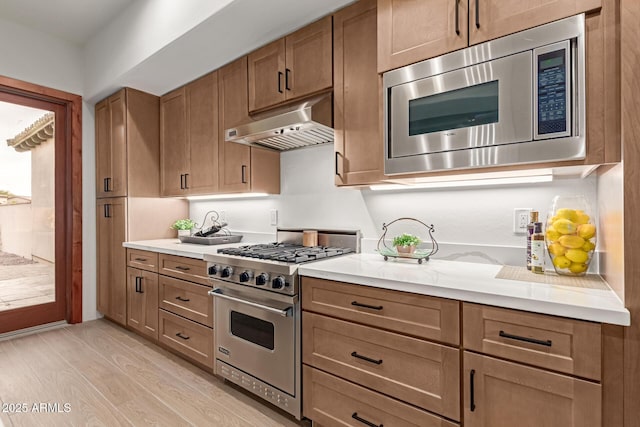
552, 91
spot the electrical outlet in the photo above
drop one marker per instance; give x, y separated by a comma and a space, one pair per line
222, 216
521, 217
273, 216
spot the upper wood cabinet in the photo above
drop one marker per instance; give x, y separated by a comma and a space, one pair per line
241, 168
127, 153
293, 67
490, 19
189, 138
410, 31
356, 96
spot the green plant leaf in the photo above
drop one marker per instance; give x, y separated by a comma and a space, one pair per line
183, 224
406, 239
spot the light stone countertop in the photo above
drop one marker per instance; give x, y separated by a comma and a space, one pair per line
174, 247
471, 282
465, 281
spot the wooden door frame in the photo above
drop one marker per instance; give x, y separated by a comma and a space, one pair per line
69, 215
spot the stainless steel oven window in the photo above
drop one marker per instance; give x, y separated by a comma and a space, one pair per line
252, 329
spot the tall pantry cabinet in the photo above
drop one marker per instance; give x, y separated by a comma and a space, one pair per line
128, 205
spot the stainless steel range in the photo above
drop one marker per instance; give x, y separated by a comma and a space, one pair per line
257, 311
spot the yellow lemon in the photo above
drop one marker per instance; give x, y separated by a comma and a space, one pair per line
588, 246
552, 220
586, 231
572, 242
552, 234
564, 226
577, 267
566, 213
581, 217
556, 249
577, 255
561, 262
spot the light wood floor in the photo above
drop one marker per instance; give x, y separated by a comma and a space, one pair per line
109, 376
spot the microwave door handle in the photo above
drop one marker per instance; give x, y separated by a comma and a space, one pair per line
217, 292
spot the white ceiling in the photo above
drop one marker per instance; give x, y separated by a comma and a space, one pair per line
75, 21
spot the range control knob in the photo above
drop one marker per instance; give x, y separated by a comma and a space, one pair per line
226, 272
213, 270
262, 279
245, 276
278, 283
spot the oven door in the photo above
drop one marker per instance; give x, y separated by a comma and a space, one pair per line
484, 105
255, 333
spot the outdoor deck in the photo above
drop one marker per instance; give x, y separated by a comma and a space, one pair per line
24, 282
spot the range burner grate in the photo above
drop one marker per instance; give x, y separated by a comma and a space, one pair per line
285, 252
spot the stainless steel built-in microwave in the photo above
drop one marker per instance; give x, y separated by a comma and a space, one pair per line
514, 100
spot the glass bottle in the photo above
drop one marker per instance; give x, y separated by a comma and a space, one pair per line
534, 218
537, 249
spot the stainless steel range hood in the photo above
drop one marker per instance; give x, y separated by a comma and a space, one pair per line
298, 125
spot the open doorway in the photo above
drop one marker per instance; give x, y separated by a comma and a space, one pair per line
40, 207
27, 206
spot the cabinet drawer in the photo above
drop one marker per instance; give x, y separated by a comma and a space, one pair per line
410, 369
331, 401
189, 338
144, 260
500, 393
418, 315
193, 270
556, 343
186, 299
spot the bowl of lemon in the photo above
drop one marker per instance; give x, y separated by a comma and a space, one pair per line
570, 235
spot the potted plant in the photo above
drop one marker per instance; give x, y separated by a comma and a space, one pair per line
406, 243
183, 226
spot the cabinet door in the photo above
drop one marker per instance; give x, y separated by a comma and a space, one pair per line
142, 301
233, 110
308, 59
202, 126
111, 146
266, 75
111, 258
413, 30
265, 171
173, 143
103, 147
489, 19
356, 115
499, 393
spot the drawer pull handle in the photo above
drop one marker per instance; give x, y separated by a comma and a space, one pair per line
181, 268
368, 359
372, 307
179, 298
365, 422
546, 343
472, 392
184, 337
140, 259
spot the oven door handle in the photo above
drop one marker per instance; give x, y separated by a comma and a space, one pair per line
217, 292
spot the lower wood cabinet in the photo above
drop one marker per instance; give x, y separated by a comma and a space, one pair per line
419, 372
500, 393
331, 401
142, 301
186, 299
188, 338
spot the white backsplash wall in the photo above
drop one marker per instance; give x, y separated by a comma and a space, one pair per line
472, 224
